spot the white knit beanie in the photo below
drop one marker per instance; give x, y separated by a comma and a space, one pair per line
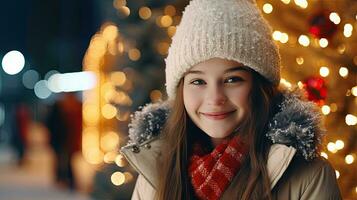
227, 29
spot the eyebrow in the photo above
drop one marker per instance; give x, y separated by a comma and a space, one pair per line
233, 69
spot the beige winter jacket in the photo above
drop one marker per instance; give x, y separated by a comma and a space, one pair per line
295, 169
292, 178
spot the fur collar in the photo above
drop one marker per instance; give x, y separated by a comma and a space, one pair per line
297, 124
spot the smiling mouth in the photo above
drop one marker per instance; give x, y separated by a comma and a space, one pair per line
217, 115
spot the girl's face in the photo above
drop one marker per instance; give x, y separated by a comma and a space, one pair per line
216, 94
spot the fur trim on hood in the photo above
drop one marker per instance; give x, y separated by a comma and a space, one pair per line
297, 124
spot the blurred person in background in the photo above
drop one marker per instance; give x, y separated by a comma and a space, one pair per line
64, 123
21, 129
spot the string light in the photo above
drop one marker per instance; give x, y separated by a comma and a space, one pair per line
324, 71
301, 3
286, 1
267, 8
144, 13
276, 35
323, 42
300, 60
354, 91
325, 109
347, 30
343, 72
339, 144
351, 120
333, 107
109, 111
331, 147
349, 159
304, 40
117, 178
166, 20
335, 18
170, 10
134, 54
284, 38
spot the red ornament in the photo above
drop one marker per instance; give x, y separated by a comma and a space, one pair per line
321, 26
316, 89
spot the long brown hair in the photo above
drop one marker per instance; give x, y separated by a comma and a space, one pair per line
180, 133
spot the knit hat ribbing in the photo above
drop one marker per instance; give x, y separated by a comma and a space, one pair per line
227, 29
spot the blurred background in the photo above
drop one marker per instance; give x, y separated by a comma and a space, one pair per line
73, 71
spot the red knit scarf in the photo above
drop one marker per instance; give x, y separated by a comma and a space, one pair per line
211, 173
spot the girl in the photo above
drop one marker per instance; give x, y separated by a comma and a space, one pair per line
227, 131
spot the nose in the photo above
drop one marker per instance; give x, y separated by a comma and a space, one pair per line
216, 95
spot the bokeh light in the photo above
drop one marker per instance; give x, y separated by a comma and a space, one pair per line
41, 89
30, 78
13, 62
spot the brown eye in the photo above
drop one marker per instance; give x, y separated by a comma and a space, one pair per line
198, 82
233, 79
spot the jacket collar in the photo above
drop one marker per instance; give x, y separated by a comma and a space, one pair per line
296, 125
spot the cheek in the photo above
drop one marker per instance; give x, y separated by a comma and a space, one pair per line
191, 100
240, 98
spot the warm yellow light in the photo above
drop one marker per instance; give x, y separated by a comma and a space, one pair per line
119, 3
109, 111
123, 116
331, 147
349, 159
125, 10
155, 95
333, 107
323, 42
354, 91
163, 48
286, 1
90, 138
300, 85
118, 78
267, 8
335, 18
93, 155
110, 32
347, 30
323, 154
339, 144
166, 21
110, 141
144, 13
121, 47
134, 54
118, 178
120, 161
301, 3
128, 177
170, 10
341, 48
351, 120
110, 157
277, 35
300, 60
171, 31
343, 72
324, 71
337, 174
304, 40
325, 109
284, 38
90, 114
